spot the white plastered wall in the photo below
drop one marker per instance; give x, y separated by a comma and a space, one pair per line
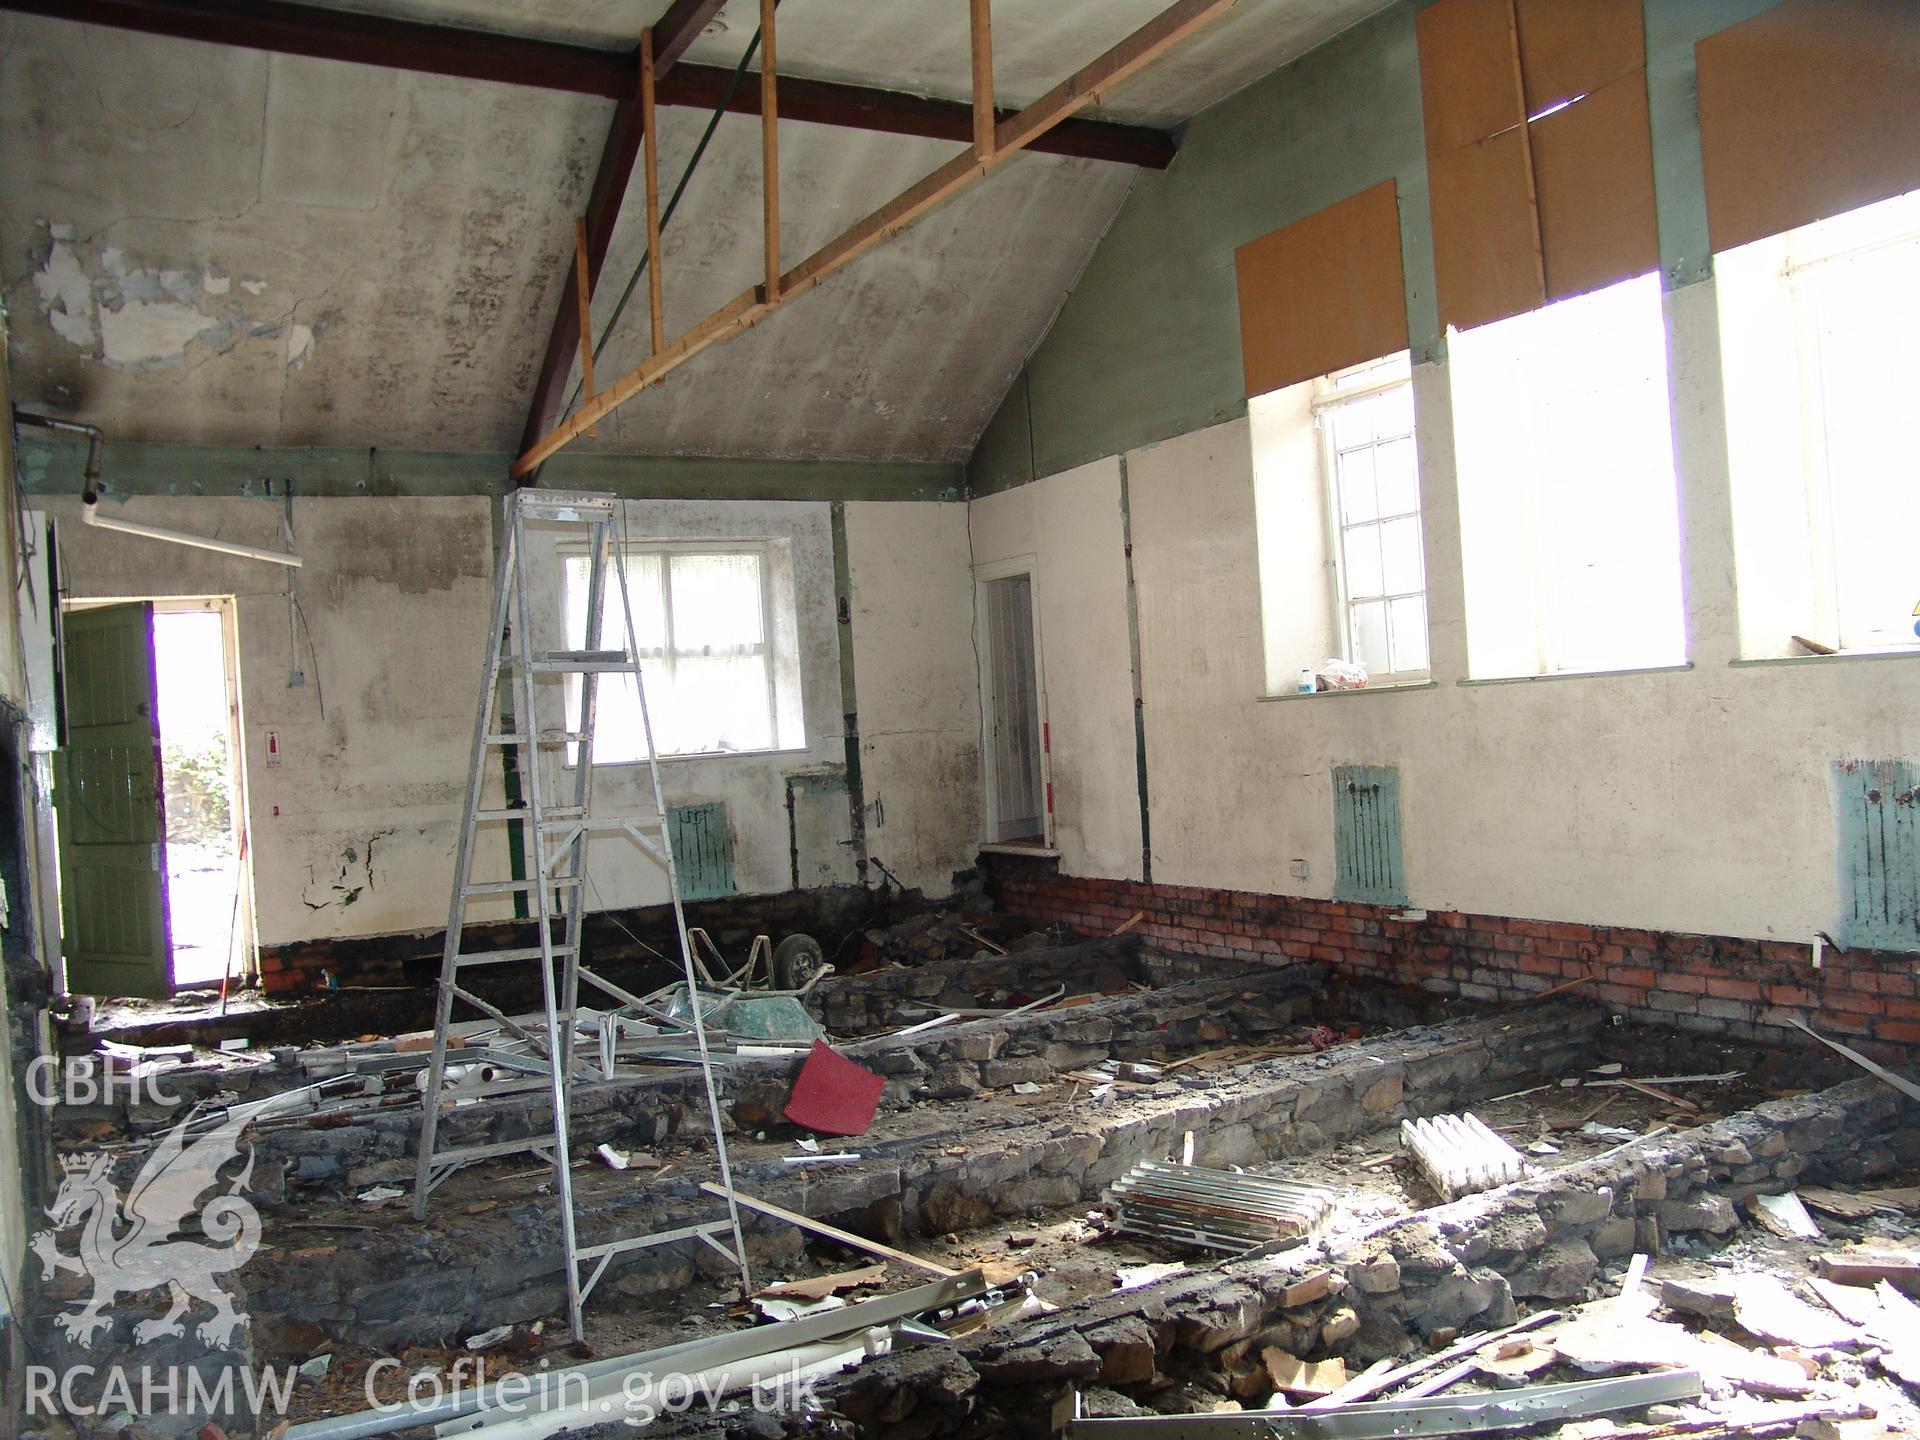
1071, 526
353, 831
1694, 800
918, 687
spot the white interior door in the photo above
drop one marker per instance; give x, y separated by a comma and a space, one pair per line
1016, 783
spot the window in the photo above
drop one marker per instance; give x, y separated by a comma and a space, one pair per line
1337, 506
1569, 507
1367, 460
703, 622
1821, 359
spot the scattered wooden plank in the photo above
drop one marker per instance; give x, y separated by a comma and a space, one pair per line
1864, 1267
1880, 1072
1562, 989
819, 1227
1663, 1096
1128, 923
1838, 1203
978, 938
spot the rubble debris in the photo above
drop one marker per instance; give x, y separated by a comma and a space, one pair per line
1785, 1215
818, 1286
1217, 1209
1303, 1379
1133, 1277
1464, 1415
1459, 1154
833, 1095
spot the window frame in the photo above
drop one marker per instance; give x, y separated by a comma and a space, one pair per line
1532, 400
667, 550
1828, 558
1327, 399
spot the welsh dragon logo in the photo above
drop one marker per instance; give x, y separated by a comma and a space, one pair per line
130, 1246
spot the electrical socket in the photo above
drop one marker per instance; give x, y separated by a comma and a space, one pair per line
296, 679
1297, 869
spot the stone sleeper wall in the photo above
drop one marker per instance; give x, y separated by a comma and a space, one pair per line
851, 1005
1743, 989
295, 968
419, 1282
1463, 1266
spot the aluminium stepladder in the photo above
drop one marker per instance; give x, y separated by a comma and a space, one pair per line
553, 847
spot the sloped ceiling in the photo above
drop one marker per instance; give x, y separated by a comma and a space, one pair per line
214, 245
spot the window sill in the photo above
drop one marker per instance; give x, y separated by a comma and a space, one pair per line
1011, 847
1904, 652
1680, 669
1396, 688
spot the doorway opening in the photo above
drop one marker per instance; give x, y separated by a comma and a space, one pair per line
1017, 809
209, 895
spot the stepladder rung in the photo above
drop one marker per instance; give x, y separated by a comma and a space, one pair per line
550, 814
570, 662
561, 507
519, 953
512, 887
545, 737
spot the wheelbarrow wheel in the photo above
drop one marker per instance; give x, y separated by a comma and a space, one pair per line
796, 960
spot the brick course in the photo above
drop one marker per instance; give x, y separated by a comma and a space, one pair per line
1714, 984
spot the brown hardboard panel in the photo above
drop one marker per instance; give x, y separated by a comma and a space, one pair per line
1486, 263
1323, 293
1468, 85
1575, 47
1594, 162
1808, 110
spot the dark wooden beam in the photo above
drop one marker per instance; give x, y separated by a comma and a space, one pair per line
822, 102
347, 35
328, 34
672, 34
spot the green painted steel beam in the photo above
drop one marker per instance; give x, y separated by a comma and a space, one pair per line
52, 467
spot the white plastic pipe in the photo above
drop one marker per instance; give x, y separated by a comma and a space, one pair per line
90, 512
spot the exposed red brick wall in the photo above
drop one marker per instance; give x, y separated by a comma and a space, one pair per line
1746, 989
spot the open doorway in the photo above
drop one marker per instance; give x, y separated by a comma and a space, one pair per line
208, 895
1015, 739
150, 799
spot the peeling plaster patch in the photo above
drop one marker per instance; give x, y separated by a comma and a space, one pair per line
135, 317
142, 334
66, 295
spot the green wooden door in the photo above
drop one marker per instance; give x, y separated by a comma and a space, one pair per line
110, 802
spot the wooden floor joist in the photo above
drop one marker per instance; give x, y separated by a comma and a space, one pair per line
1012, 136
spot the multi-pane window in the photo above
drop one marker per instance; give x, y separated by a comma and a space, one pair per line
702, 621
1365, 419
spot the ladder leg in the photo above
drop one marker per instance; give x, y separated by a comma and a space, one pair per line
559, 1037
462, 876
686, 951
